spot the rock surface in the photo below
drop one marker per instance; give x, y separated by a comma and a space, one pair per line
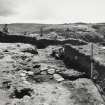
30, 79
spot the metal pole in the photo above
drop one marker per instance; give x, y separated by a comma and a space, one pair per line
91, 60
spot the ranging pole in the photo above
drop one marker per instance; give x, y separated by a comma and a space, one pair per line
41, 31
91, 60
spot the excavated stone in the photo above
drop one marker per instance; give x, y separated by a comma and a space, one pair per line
29, 49
22, 74
30, 73
44, 72
42, 78
51, 71
58, 77
36, 71
71, 74
44, 67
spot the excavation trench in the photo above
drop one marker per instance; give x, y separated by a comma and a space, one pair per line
67, 64
54, 93
44, 44
40, 43
60, 64
45, 47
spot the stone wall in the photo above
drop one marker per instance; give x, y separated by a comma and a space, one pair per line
73, 58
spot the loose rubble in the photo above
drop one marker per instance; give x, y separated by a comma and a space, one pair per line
28, 78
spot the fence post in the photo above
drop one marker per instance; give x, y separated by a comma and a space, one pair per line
91, 57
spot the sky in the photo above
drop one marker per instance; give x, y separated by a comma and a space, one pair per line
52, 11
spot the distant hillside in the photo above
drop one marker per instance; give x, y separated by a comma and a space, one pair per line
23, 27
87, 32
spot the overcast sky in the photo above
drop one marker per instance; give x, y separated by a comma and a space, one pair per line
52, 11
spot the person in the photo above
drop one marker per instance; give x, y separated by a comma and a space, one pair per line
5, 29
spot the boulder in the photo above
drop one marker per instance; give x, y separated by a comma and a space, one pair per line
22, 74
29, 49
43, 72
15, 102
44, 67
72, 74
30, 73
26, 99
58, 77
51, 71
36, 71
42, 78
31, 69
